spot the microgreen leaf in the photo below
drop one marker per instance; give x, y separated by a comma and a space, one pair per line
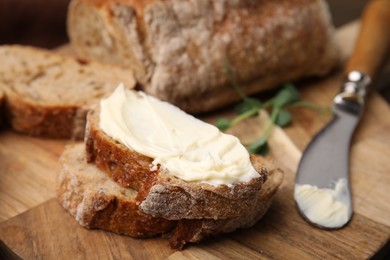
283, 118
223, 123
287, 95
259, 147
248, 104
245, 115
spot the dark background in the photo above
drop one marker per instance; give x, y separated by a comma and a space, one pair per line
42, 22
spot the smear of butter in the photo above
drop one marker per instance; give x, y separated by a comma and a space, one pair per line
188, 148
328, 208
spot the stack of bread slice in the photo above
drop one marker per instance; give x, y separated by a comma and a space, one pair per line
106, 185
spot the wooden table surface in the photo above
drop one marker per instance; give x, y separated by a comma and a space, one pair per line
33, 224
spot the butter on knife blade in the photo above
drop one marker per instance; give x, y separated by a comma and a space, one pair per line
327, 207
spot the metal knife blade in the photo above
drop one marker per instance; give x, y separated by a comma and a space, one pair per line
322, 187
328, 155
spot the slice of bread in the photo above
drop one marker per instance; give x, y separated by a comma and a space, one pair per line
49, 95
98, 202
160, 193
178, 49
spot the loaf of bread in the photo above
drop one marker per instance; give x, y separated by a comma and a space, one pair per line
49, 95
182, 51
98, 202
160, 193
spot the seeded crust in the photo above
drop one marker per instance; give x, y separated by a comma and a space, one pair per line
179, 50
97, 202
49, 95
160, 193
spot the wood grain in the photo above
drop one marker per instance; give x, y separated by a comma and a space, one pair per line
28, 167
282, 227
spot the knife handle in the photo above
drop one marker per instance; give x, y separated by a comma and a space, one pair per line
374, 39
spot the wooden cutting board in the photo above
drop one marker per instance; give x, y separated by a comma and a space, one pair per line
34, 225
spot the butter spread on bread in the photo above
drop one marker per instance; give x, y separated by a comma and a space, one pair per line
160, 193
187, 147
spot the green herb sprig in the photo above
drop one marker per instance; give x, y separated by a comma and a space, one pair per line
277, 106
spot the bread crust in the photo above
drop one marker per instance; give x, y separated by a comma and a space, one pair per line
48, 94
61, 122
178, 49
160, 193
97, 202
195, 230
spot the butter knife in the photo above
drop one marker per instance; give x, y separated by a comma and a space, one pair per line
322, 188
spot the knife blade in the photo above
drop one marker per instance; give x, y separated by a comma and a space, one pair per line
322, 189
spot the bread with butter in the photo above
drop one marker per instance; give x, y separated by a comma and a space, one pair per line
49, 94
160, 193
183, 168
98, 202
179, 50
